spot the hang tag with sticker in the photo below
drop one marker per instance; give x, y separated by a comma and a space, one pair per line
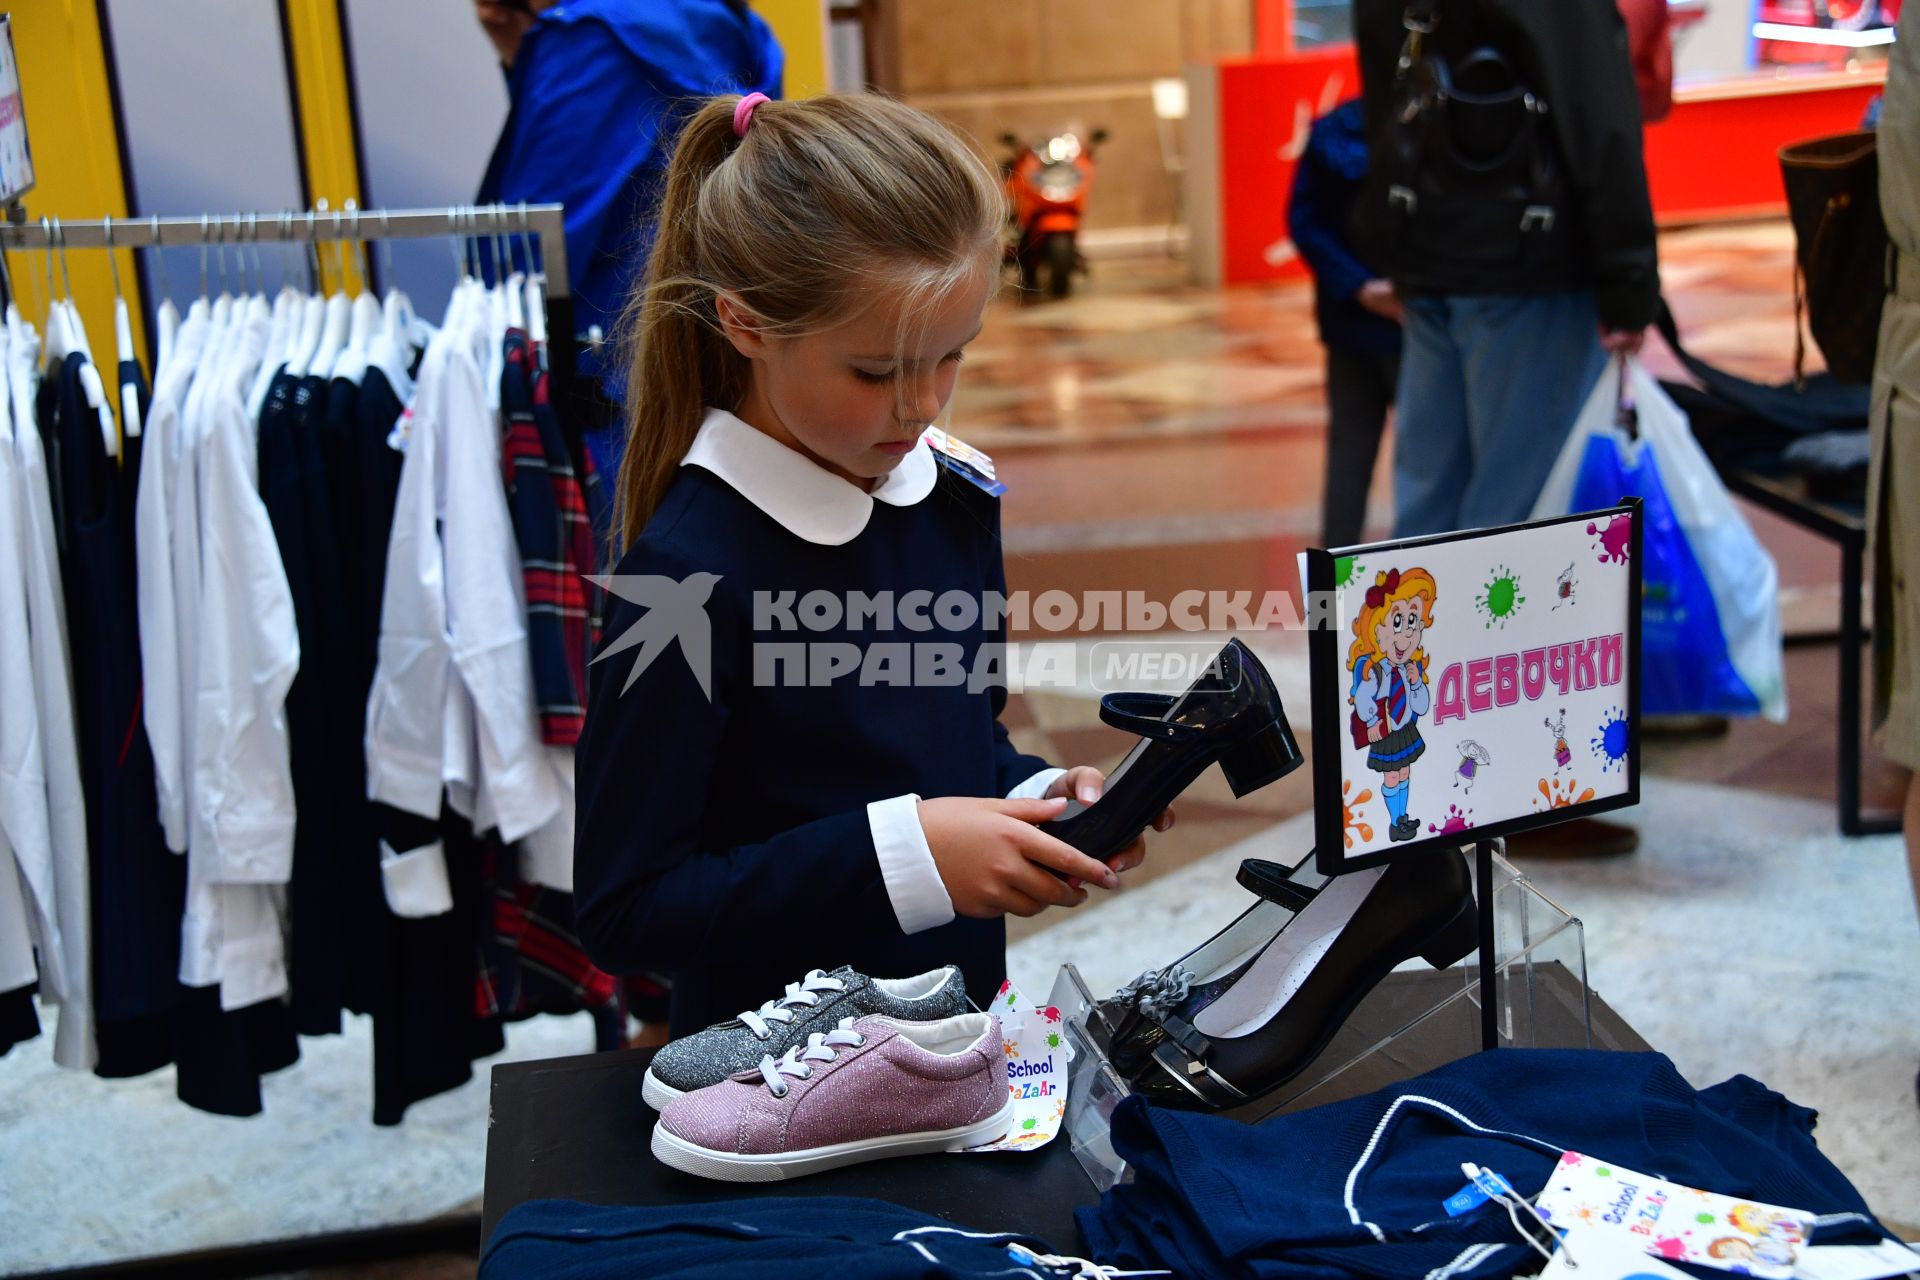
1602, 1255
1037, 1061
961, 458
1668, 1220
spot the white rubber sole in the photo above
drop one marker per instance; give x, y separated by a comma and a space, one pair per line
725, 1166
657, 1093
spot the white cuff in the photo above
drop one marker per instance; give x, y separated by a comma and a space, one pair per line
1035, 788
914, 886
416, 881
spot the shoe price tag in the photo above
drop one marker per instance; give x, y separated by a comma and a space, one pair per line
1600, 1255
1668, 1220
1036, 1071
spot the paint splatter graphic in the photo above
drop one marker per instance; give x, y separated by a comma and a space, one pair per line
1351, 824
1557, 797
1500, 599
1347, 570
1611, 745
1458, 819
1615, 539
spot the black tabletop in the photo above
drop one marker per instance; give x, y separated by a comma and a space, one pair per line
577, 1128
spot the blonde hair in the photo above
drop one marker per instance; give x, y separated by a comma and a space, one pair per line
1408, 584
824, 204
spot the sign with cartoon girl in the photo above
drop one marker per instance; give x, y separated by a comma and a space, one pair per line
1391, 684
1389, 692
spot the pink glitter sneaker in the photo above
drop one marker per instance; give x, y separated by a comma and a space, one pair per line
866, 1090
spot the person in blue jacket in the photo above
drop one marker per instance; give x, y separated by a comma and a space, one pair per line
1358, 312
792, 756
594, 86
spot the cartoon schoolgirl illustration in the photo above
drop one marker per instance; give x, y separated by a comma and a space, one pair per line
1472, 756
1389, 692
1562, 754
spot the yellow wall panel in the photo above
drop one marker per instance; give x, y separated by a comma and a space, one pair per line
326, 114
76, 159
801, 28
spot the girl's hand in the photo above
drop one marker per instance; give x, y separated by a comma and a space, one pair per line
1087, 784
995, 861
1376, 731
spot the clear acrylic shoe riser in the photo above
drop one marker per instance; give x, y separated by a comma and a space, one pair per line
1541, 1000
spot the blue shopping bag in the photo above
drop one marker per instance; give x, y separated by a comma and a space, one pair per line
1710, 640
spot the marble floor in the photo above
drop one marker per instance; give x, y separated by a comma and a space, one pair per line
1157, 437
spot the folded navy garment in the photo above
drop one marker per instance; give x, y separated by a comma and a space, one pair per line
790, 1237
1355, 1188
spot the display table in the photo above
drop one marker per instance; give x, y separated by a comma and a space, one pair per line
576, 1128
1844, 526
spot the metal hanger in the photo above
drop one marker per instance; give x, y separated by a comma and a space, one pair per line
159, 258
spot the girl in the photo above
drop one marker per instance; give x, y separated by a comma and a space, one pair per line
1390, 691
751, 798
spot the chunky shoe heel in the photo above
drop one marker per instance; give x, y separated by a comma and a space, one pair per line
1266, 757
1232, 714
1455, 940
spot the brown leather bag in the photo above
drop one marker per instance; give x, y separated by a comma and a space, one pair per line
1840, 250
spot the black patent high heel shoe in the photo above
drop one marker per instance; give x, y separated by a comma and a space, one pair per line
1231, 714
1138, 1016
1280, 1010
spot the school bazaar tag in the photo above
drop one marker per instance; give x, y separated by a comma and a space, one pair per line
1672, 1221
1036, 1071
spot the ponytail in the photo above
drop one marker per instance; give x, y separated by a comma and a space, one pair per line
821, 207
679, 362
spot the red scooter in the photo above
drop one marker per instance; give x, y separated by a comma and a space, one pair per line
1047, 184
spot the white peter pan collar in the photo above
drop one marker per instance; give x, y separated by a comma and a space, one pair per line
802, 496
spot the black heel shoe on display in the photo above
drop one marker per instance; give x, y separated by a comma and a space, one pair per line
1264, 1020
1231, 714
1139, 1014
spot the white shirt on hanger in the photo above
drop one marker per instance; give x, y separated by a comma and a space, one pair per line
249, 652
58, 870
453, 704
166, 667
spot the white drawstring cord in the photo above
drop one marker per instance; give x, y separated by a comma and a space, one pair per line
801, 993
1055, 1263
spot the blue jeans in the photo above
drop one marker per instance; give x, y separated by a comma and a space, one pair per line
1489, 390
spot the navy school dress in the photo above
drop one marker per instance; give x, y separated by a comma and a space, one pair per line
137, 888
323, 744
726, 841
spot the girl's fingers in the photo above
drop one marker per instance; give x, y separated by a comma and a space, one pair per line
1050, 852
1165, 821
1033, 811
1085, 783
1033, 882
1019, 904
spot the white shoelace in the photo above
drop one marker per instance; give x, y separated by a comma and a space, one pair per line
801, 994
820, 1048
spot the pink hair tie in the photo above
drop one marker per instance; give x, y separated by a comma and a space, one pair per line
743, 112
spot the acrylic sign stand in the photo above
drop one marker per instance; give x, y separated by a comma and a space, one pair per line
1330, 705
1535, 994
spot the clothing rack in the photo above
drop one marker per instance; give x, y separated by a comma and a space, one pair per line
476, 226
219, 230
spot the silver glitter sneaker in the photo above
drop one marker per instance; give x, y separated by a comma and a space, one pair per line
815, 1003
